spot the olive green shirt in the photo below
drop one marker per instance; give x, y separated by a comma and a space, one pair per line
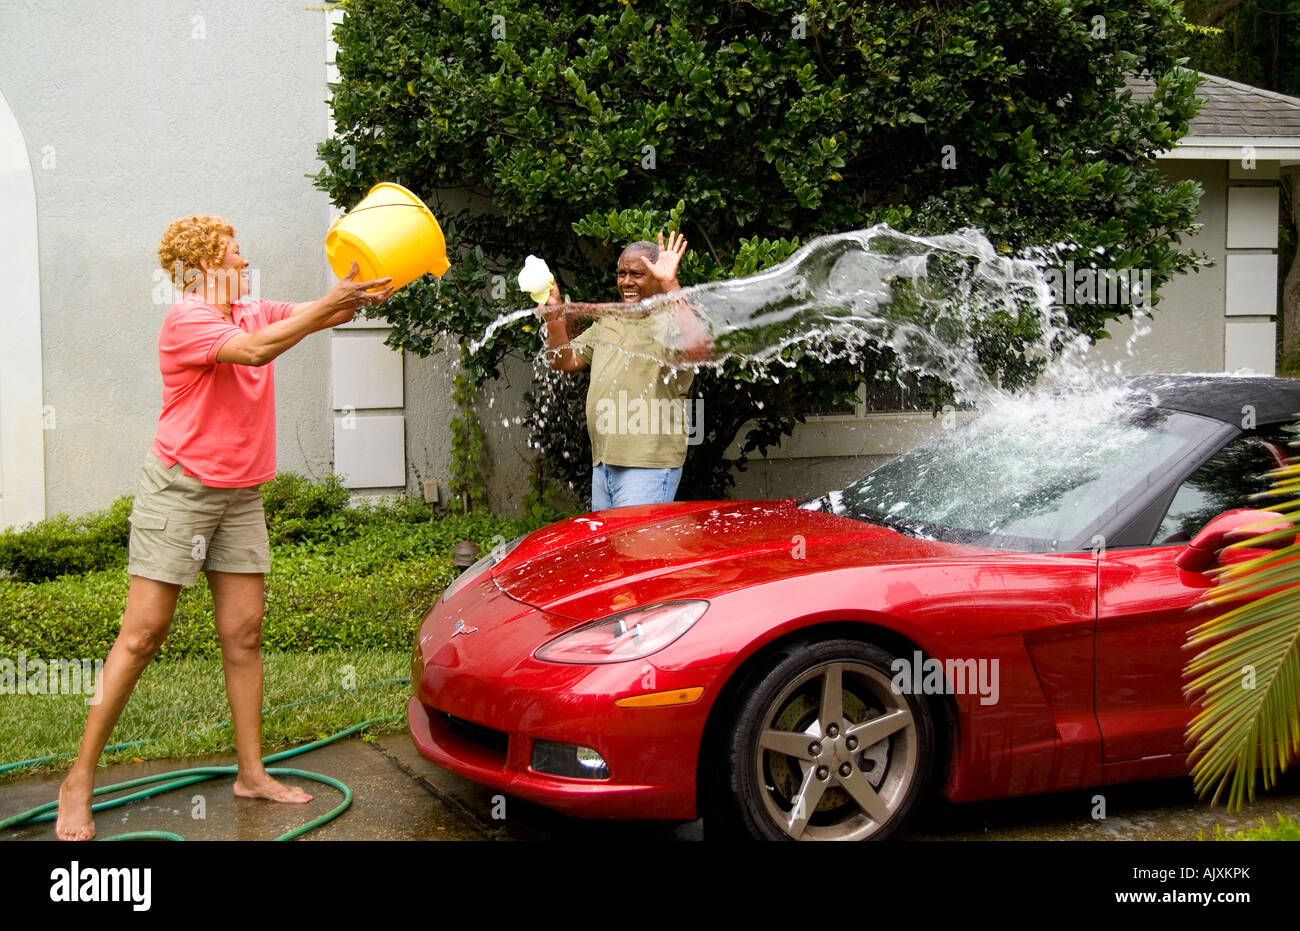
636, 404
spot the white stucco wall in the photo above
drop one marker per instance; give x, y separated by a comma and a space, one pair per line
1186, 327
500, 408
22, 443
135, 114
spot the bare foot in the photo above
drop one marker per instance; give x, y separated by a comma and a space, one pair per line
75, 820
268, 788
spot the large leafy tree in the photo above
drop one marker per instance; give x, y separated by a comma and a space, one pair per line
566, 128
1253, 41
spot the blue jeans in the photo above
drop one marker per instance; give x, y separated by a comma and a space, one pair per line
620, 486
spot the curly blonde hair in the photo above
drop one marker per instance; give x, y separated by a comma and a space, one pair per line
192, 238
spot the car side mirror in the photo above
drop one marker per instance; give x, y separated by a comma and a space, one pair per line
1202, 553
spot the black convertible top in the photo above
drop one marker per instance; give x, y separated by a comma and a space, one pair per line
1224, 397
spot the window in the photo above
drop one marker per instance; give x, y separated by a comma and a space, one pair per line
996, 482
1226, 482
911, 392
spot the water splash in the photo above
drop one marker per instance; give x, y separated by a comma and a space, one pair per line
1038, 471
503, 321
928, 298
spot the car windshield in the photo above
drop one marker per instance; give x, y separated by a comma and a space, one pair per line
1037, 477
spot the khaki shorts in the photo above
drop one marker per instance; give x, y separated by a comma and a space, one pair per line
179, 526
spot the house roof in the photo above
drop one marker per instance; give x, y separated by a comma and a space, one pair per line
1233, 109
1234, 115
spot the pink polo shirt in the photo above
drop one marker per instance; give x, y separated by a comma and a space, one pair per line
218, 418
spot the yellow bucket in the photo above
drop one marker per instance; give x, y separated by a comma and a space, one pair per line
390, 234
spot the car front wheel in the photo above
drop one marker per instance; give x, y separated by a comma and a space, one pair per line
822, 747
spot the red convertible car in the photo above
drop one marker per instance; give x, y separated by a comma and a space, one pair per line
999, 612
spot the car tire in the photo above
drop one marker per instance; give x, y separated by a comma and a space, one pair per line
792, 764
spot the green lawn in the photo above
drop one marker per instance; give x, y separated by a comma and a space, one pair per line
1286, 829
347, 588
179, 706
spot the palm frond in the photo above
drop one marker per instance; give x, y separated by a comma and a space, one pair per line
1246, 675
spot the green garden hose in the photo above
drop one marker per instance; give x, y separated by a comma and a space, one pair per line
6, 767
178, 778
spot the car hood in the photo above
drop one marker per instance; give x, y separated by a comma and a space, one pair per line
607, 561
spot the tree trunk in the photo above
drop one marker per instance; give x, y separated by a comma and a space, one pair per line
1223, 9
1291, 287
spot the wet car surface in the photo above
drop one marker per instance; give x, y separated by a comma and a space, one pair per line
994, 614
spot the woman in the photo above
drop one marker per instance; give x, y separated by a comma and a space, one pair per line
198, 504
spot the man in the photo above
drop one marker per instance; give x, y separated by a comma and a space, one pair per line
636, 401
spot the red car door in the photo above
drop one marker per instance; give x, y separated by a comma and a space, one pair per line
1144, 602
1142, 624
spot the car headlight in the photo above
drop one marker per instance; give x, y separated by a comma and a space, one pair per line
493, 556
627, 635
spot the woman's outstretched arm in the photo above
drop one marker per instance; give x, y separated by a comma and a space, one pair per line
337, 306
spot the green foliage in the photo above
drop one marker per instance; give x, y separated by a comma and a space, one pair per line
467, 453
297, 508
539, 505
63, 545
365, 588
301, 510
557, 422
1286, 830
1256, 43
576, 126
342, 576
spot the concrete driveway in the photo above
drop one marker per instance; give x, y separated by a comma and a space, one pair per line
398, 795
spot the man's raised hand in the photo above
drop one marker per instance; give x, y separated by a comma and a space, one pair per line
670, 255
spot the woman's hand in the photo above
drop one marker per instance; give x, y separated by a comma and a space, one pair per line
349, 295
339, 305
